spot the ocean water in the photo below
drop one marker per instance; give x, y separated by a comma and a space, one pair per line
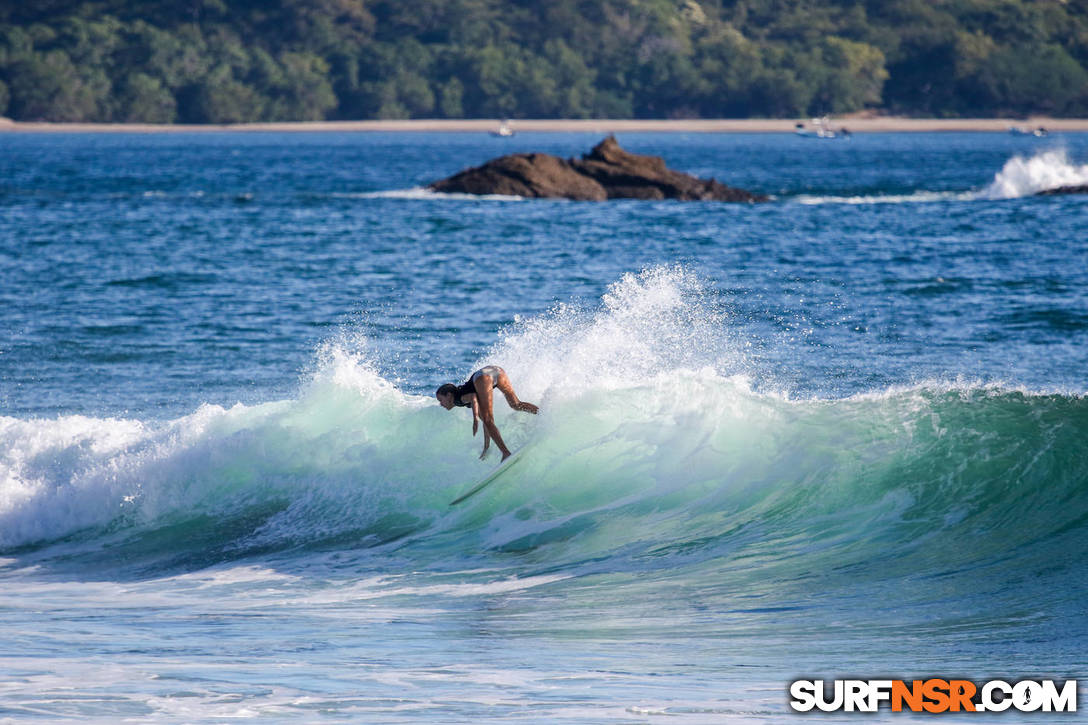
840, 434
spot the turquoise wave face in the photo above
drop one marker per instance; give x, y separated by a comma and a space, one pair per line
653, 447
686, 470
653, 453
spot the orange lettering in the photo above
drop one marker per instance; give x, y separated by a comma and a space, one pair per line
911, 695
937, 692
961, 692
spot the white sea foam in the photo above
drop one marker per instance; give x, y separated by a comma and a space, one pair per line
1022, 176
425, 194
918, 197
647, 325
62, 474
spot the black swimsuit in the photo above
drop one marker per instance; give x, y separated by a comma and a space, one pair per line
470, 387
464, 389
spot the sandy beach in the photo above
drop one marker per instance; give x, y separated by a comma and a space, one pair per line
855, 125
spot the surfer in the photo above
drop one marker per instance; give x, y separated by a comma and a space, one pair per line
477, 394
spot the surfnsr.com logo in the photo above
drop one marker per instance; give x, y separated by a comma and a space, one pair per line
933, 695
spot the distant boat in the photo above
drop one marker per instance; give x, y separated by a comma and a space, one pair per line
820, 129
1039, 132
504, 130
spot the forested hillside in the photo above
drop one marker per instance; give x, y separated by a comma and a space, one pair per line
222, 61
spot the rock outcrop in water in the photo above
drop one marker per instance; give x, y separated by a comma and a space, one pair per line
606, 172
1078, 189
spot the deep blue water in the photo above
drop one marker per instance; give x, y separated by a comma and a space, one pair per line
842, 433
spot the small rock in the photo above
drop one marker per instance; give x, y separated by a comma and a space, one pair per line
606, 172
1078, 189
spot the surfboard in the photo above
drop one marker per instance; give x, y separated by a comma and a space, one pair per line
502, 468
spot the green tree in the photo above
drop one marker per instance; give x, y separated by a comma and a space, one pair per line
90, 43
852, 76
178, 58
450, 95
777, 93
49, 87
414, 94
730, 63
304, 92
1040, 78
666, 82
15, 44
220, 98
143, 99
575, 92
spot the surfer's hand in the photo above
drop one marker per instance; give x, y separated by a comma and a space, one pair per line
484, 453
475, 426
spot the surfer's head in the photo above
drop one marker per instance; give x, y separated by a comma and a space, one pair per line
445, 395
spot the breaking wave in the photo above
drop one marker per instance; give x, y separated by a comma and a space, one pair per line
652, 450
1019, 177
1027, 176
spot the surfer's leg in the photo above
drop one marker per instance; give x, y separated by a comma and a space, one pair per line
485, 401
507, 389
